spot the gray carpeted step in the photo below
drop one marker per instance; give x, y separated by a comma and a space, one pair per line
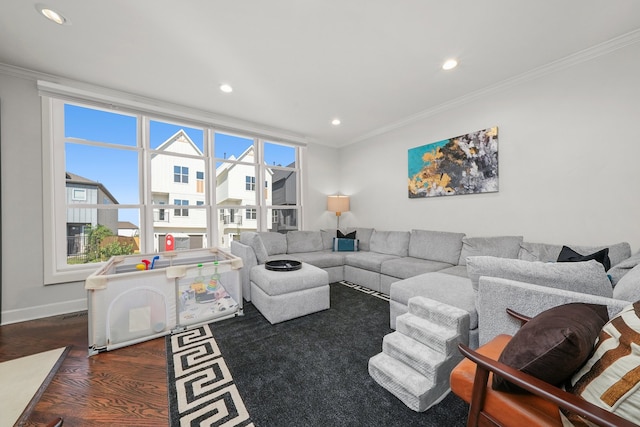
440, 314
415, 390
419, 357
439, 338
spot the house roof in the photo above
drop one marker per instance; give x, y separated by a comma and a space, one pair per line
72, 178
126, 225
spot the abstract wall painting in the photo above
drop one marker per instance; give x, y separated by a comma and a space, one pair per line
465, 164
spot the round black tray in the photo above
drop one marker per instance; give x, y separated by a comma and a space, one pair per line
283, 265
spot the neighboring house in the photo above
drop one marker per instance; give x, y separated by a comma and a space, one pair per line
284, 193
236, 184
128, 229
179, 181
81, 190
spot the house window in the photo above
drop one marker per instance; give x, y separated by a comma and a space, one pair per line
200, 182
250, 183
181, 174
79, 194
181, 212
121, 156
251, 214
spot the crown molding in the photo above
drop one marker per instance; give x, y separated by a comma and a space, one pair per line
552, 67
55, 85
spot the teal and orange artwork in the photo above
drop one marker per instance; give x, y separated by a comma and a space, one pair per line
465, 164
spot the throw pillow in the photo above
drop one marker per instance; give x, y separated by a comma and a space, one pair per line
345, 245
554, 344
569, 255
611, 377
341, 235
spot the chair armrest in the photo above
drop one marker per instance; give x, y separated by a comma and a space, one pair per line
538, 387
519, 317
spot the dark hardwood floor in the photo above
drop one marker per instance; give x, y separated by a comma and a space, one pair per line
124, 387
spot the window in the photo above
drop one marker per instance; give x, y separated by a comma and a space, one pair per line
79, 194
200, 182
104, 166
181, 212
181, 174
250, 183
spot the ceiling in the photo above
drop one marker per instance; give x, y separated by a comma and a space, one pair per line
297, 64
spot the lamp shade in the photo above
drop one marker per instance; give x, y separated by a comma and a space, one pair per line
338, 204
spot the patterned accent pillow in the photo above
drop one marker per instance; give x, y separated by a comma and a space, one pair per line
345, 244
611, 377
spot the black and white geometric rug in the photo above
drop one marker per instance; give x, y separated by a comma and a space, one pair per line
309, 371
201, 390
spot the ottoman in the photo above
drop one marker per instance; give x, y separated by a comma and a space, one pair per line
284, 295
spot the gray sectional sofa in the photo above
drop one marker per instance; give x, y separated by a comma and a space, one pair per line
431, 264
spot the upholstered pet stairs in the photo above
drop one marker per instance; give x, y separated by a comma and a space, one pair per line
417, 358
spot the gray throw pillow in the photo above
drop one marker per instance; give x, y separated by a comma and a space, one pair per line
618, 271
274, 243
253, 240
498, 246
586, 277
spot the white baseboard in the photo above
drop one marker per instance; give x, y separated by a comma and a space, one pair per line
40, 311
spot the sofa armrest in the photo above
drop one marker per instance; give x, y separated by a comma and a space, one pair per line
249, 259
496, 295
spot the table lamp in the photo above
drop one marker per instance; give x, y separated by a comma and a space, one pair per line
338, 204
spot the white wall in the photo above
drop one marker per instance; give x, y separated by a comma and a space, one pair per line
23, 294
569, 149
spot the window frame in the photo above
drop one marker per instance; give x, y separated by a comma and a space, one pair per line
54, 210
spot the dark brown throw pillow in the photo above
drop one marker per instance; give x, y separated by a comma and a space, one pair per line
351, 235
554, 344
569, 255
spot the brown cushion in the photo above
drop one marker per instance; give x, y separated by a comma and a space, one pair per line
554, 344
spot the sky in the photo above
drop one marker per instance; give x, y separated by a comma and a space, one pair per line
117, 169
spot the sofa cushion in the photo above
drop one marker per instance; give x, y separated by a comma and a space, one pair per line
327, 238
440, 246
445, 288
549, 253
586, 277
390, 242
497, 246
554, 344
456, 270
408, 267
609, 379
321, 259
253, 240
569, 255
628, 288
371, 261
304, 241
274, 243
618, 271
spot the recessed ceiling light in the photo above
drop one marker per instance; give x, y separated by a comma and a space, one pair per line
226, 88
335, 122
52, 15
449, 64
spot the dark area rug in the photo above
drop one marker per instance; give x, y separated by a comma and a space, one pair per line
311, 371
